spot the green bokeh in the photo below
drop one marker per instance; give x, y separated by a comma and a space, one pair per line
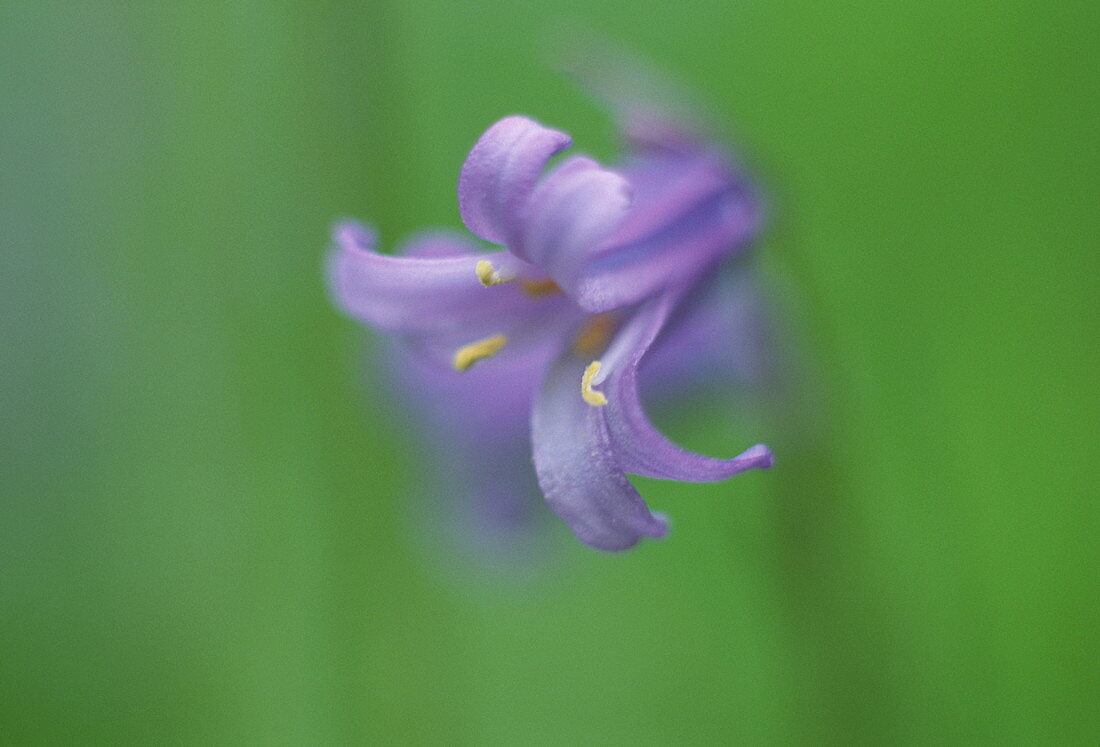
207, 531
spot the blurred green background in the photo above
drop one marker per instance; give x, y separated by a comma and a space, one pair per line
205, 526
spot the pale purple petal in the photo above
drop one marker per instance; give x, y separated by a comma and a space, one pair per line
572, 211
499, 175
691, 206
476, 425
667, 186
433, 244
641, 449
676, 255
434, 294
485, 409
719, 336
577, 467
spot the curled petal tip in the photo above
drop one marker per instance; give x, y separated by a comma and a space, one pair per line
499, 174
761, 455
351, 234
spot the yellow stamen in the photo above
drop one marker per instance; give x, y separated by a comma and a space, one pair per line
488, 275
539, 288
535, 288
591, 396
593, 336
468, 355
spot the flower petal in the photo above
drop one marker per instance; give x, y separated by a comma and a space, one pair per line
667, 186
500, 173
481, 490
721, 336
572, 211
577, 469
691, 205
684, 248
485, 410
437, 292
640, 448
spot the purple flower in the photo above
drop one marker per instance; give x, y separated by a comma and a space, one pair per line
538, 346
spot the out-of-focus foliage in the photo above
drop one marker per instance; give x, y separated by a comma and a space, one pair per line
208, 524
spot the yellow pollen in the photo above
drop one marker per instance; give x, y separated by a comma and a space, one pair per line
593, 336
488, 275
468, 355
539, 288
591, 396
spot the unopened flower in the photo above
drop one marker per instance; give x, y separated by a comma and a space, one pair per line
601, 268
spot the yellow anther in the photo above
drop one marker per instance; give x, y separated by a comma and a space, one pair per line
488, 275
593, 337
539, 288
468, 355
533, 287
591, 396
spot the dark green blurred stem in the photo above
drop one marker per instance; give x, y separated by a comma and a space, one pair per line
842, 642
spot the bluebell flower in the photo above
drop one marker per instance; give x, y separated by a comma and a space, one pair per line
535, 348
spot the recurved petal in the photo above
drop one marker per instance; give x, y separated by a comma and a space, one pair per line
639, 447
572, 212
436, 292
577, 467
499, 174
